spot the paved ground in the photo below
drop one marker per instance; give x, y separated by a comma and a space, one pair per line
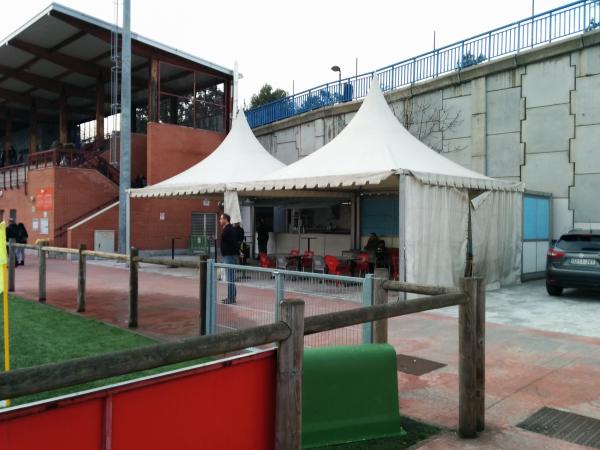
528, 305
530, 363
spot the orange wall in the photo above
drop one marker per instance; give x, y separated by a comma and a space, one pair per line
84, 234
25, 203
139, 158
76, 191
148, 231
173, 148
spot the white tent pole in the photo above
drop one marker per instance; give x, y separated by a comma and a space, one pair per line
402, 231
235, 89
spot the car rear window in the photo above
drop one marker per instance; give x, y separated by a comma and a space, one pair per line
579, 242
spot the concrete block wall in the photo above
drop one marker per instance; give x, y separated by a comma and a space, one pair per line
532, 117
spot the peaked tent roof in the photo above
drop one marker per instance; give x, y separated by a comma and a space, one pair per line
373, 147
239, 158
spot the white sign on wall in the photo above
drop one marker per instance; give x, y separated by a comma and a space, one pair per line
44, 225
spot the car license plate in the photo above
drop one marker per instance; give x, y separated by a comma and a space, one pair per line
583, 261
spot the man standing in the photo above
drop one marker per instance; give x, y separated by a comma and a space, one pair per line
263, 236
12, 232
230, 250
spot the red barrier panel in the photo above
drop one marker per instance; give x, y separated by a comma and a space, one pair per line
225, 405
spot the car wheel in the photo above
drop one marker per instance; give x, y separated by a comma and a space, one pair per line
554, 290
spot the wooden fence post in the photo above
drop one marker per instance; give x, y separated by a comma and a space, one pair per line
467, 418
480, 357
11, 265
288, 415
133, 288
81, 280
203, 290
380, 297
41, 274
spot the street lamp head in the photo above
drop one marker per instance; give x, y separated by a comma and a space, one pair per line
336, 69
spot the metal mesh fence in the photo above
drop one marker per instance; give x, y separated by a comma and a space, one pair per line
243, 297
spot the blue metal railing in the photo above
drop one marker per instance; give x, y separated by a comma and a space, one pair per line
576, 17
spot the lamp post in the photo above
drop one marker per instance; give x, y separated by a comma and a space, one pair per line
339, 71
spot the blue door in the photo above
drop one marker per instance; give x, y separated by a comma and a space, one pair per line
536, 234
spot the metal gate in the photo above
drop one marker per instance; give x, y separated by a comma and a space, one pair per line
258, 292
204, 232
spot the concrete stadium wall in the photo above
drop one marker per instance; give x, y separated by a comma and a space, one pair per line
531, 117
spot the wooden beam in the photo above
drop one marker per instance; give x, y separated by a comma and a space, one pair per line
69, 62
63, 122
28, 99
58, 46
153, 91
45, 83
99, 108
25, 99
7, 136
137, 47
20, 115
33, 143
288, 390
36, 379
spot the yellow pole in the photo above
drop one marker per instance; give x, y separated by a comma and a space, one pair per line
4, 277
6, 334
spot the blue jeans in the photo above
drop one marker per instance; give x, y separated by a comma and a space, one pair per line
230, 277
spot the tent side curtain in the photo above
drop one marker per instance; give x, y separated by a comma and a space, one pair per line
232, 206
436, 233
496, 222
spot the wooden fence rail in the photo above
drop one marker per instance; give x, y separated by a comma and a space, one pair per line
133, 260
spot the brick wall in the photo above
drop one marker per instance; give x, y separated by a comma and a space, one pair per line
173, 148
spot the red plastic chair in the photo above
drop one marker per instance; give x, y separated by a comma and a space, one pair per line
295, 252
362, 263
265, 261
307, 260
335, 267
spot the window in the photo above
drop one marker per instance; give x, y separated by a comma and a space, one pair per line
191, 99
204, 224
579, 243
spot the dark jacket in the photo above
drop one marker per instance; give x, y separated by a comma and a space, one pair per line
12, 231
263, 232
22, 234
229, 243
239, 231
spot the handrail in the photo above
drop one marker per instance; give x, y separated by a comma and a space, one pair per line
572, 18
65, 227
33, 380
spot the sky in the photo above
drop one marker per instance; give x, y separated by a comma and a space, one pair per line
293, 44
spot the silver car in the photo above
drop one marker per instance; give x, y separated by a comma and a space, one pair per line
574, 261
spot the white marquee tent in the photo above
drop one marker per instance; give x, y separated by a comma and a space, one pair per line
438, 198
240, 157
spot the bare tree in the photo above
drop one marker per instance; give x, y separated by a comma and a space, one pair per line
428, 123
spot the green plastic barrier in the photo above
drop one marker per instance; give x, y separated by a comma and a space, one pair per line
350, 393
200, 243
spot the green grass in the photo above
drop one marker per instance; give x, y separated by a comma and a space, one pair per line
415, 432
41, 334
